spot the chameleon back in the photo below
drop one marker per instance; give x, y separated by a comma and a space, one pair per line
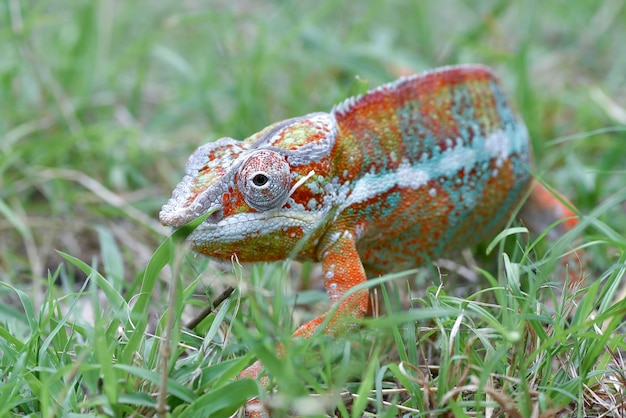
435, 162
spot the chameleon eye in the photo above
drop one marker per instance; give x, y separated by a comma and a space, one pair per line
265, 180
260, 179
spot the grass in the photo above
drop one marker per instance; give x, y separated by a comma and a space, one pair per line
102, 102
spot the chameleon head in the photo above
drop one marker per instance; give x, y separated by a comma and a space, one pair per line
265, 193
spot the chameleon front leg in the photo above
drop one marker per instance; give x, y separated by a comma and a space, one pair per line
342, 269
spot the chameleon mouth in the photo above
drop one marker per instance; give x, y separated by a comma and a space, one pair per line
173, 216
187, 204
170, 216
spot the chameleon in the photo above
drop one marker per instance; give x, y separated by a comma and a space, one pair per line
415, 169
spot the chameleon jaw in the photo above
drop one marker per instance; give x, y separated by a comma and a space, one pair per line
244, 227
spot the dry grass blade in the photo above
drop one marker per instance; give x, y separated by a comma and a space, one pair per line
105, 194
212, 306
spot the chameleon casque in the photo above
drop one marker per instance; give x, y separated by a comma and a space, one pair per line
415, 169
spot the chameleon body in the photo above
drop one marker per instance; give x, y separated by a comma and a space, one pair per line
412, 170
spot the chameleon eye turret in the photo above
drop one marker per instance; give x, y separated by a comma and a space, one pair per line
265, 179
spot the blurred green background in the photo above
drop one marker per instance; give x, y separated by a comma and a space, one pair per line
101, 102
